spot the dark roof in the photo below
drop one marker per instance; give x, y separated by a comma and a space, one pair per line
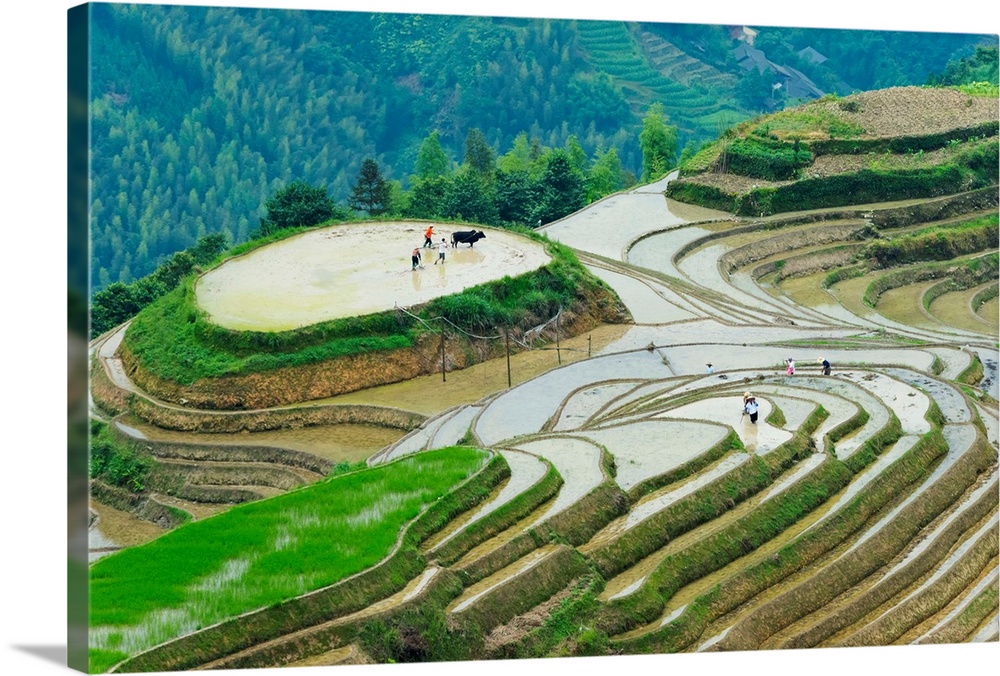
798, 82
811, 55
795, 82
751, 57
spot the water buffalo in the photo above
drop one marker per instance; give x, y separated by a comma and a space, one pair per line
469, 237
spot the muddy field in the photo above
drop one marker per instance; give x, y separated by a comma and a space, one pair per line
349, 270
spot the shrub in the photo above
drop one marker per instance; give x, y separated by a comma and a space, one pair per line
117, 462
768, 161
592, 642
119, 301
705, 195
418, 635
988, 89
869, 186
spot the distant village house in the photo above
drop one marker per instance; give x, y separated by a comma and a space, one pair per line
796, 85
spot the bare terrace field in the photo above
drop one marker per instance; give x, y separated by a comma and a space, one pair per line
912, 111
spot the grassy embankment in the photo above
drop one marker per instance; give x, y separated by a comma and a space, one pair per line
959, 255
174, 339
260, 554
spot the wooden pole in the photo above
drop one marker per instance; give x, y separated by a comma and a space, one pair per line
588, 344
506, 336
558, 351
444, 377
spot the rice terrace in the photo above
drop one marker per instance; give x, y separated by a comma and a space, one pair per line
540, 448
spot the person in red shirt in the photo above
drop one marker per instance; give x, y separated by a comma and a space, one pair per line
428, 242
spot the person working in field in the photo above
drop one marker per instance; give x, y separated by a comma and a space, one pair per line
442, 249
752, 409
428, 242
415, 258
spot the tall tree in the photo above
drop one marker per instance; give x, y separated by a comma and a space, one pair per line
298, 204
431, 158
518, 158
469, 198
479, 155
425, 197
371, 193
658, 142
562, 188
524, 155
119, 301
516, 196
980, 67
755, 90
577, 155
605, 175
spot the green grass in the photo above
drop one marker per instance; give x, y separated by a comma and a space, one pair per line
808, 121
987, 89
777, 417
259, 554
973, 373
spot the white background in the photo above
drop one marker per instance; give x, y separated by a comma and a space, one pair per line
33, 166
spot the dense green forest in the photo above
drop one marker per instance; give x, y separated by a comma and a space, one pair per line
200, 115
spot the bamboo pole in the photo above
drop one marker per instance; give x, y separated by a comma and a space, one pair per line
506, 336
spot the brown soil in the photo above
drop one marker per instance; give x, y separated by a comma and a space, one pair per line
338, 443
913, 111
311, 382
521, 625
122, 528
349, 654
429, 395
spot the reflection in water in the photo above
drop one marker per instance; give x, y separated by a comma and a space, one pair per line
749, 435
471, 256
415, 278
441, 280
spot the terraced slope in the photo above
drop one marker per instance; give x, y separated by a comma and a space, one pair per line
650, 69
677, 65
867, 148
643, 512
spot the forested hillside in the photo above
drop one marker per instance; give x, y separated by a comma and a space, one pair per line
199, 115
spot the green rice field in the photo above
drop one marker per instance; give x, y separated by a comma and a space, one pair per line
261, 553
